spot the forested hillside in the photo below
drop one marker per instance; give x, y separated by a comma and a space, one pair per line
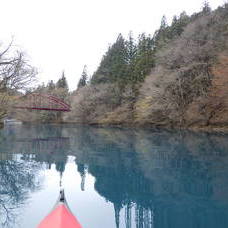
177, 77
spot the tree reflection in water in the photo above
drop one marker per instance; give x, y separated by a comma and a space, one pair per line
156, 178
21, 160
17, 179
160, 179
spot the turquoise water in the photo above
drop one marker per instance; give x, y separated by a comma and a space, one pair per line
114, 177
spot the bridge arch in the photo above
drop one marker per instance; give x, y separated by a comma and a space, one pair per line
38, 101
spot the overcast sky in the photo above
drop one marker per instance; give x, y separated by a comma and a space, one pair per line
67, 34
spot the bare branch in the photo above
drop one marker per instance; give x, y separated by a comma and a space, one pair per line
7, 49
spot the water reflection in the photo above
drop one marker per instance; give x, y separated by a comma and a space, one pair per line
155, 179
17, 180
21, 161
165, 179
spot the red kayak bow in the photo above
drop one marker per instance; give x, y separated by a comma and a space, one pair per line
60, 216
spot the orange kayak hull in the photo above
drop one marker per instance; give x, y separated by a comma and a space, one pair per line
60, 217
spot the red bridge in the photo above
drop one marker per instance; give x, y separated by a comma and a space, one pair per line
38, 101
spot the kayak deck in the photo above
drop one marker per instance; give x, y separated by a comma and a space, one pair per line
60, 216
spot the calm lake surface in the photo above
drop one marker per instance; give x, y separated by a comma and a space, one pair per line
114, 177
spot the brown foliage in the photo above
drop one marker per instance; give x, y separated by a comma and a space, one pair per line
187, 78
91, 103
212, 110
183, 73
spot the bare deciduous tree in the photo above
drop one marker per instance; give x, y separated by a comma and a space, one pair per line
15, 75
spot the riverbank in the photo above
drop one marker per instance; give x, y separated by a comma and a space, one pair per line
174, 79
206, 129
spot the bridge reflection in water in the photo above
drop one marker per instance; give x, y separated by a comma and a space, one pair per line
156, 178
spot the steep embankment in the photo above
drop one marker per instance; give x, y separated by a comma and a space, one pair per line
187, 85
208, 111
212, 110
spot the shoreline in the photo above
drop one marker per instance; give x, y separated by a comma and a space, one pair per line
206, 129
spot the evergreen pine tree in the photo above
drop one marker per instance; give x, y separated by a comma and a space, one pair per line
206, 7
62, 82
144, 60
164, 24
131, 54
131, 48
51, 85
113, 65
178, 25
84, 77
161, 36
